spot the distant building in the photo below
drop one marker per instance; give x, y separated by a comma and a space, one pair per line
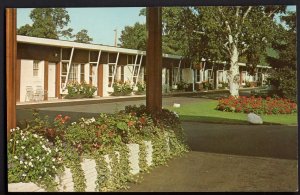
48, 65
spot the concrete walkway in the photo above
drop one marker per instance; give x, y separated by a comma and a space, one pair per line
229, 158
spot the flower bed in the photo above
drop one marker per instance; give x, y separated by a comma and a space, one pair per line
80, 90
141, 88
122, 88
257, 105
97, 154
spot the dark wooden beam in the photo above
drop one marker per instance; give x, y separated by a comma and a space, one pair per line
57, 80
18, 80
11, 60
154, 60
100, 80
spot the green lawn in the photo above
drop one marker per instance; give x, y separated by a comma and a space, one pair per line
205, 112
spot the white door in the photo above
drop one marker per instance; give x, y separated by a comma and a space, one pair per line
51, 80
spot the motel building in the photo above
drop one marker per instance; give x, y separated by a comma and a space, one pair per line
45, 66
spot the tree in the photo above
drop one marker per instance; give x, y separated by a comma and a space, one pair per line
83, 37
283, 73
48, 23
134, 37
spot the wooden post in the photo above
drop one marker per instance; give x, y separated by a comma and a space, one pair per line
11, 60
18, 80
154, 60
100, 80
57, 80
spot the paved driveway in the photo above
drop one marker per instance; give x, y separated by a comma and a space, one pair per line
229, 158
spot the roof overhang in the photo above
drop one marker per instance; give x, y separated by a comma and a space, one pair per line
71, 44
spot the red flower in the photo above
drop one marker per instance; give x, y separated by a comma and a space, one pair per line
66, 118
142, 120
130, 123
110, 134
58, 117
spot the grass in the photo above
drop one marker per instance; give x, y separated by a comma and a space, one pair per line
205, 112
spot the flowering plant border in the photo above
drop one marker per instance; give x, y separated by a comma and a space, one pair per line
243, 104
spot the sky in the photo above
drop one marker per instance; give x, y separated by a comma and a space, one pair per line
100, 22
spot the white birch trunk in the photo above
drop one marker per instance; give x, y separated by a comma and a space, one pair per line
233, 75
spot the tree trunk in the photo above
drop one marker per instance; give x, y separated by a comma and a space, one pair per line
234, 76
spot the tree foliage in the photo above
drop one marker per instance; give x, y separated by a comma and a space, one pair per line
52, 23
284, 66
220, 33
134, 37
83, 37
48, 23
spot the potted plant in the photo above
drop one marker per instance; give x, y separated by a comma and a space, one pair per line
205, 85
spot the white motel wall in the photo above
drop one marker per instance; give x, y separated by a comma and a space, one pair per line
50, 64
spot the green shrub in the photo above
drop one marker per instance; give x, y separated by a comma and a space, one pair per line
285, 81
32, 158
141, 87
80, 90
122, 88
92, 138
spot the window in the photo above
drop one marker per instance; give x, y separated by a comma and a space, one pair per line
91, 73
36, 68
73, 72
198, 76
82, 73
110, 74
175, 75
122, 73
64, 68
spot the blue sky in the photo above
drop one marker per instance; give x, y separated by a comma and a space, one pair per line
100, 22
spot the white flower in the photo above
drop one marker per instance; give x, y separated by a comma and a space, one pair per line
40, 160
26, 162
26, 154
40, 177
17, 141
74, 123
53, 159
53, 167
12, 130
56, 150
32, 147
24, 175
30, 164
25, 139
30, 157
37, 157
45, 169
21, 162
23, 147
11, 140
15, 157
25, 167
41, 142
35, 135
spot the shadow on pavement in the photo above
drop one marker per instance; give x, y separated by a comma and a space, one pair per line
273, 141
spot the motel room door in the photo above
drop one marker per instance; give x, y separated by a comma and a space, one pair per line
51, 80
